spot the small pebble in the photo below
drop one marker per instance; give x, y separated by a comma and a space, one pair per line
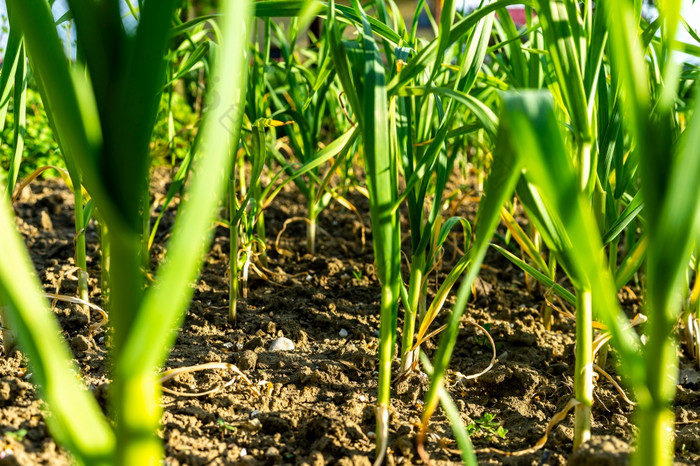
281, 344
253, 425
343, 333
46, 221
244, 452
228, 345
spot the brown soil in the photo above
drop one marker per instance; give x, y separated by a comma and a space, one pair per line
318, 405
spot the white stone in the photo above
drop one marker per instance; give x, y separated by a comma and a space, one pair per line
343, 333
281, 344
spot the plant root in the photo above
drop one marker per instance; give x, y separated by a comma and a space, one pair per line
614, 383
172, 373
382, 413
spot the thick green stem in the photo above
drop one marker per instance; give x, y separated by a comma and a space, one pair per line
133, 395
259, 217
382, 184
655, 443
233, 250
311, 229
20, 124
136, 402
105, 260
126, 280
80, 244
655, 418
312, 226
612, 265
583, 375
246, 269
382, 413
386, 355
415, 285
260, 232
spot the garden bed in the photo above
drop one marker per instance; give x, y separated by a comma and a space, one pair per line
318, 405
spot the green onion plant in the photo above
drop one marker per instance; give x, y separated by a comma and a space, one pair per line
104, 114
366, 92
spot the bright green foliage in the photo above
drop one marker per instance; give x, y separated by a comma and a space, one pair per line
669, 165
382, 183
40, 147
486, 424
106, 125
596, 136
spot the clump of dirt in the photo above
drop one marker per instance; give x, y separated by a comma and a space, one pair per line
601, 451
316, 402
